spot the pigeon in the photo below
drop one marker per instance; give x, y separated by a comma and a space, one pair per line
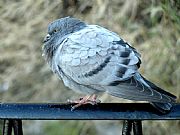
91, 59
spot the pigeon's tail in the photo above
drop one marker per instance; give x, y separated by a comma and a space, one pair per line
140, 89
162, 107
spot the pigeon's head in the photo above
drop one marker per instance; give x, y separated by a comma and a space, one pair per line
58, 31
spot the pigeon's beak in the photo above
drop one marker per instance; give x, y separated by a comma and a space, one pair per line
46, 38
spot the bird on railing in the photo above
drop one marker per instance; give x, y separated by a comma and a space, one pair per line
91, 59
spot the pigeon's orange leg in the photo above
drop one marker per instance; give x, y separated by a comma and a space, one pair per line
89, 99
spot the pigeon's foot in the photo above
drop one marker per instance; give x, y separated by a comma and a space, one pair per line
89, 99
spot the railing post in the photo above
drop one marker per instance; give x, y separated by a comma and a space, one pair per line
17, 125
12, 124
129, 124
137, 127
127, 127
7, 127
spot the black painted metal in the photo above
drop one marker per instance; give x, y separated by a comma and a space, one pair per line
17, 126
137, 127
127, 127
12, 124
7, 127
103, 111
131, 113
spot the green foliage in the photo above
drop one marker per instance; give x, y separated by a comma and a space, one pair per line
68, 128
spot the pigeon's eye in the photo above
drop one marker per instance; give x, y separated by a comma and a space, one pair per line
55, 30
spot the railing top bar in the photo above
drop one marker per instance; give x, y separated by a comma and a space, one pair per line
103, 111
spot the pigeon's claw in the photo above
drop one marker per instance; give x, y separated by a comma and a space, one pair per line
89, 99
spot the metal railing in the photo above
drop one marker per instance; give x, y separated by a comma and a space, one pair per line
131, 113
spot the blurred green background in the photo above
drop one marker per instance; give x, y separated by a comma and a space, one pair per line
151, 26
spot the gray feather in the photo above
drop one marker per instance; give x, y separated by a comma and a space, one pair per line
92, 59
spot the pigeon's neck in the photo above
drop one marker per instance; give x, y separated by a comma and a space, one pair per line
49, 50
72, 29
48, 53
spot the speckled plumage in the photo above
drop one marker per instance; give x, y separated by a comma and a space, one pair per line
92, 59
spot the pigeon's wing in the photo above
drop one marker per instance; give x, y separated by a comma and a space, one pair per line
96, 56
100, 59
